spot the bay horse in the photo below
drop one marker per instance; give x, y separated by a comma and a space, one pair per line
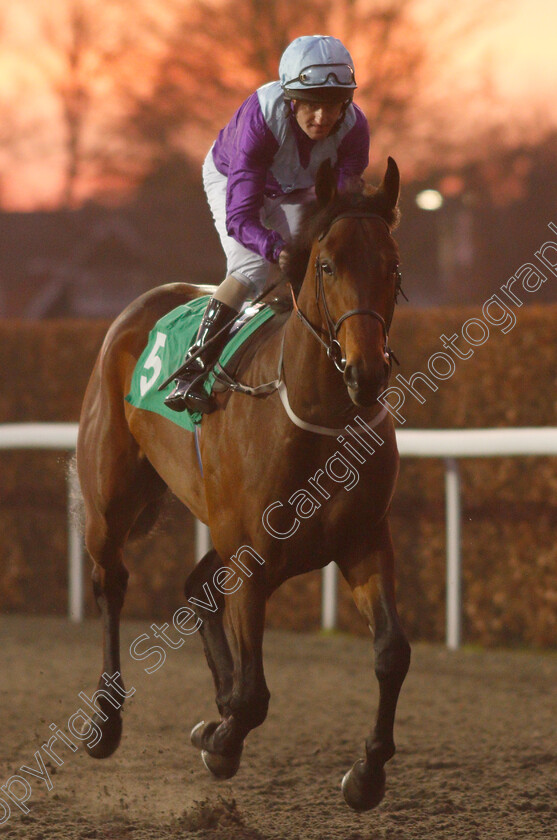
255, 455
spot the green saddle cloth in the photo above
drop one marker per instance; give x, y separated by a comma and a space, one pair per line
168, 342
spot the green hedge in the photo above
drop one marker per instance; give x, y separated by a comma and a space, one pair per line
510, 505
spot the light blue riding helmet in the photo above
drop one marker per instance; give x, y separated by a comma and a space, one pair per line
317, 68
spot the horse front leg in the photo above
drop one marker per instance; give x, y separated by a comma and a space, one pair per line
372, 582
243, 704
215, 644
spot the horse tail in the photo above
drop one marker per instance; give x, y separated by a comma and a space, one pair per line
75, 496
143, 525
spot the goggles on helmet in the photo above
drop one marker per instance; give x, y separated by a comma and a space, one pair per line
318, 75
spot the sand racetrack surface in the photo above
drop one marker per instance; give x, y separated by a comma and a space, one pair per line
476, 735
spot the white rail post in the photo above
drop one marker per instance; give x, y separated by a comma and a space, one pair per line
202, 540
454, 561
75, 554
329, 597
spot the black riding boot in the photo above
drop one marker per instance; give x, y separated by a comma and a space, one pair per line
189, 392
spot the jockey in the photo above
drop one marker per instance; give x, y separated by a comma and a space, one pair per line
261, 171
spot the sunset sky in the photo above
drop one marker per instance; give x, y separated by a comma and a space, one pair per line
522, 48
517, 50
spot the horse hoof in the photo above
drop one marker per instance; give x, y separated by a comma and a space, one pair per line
111, 730
221, 766
201, 731
196, 733
363, 789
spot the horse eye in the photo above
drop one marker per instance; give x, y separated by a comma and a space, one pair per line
327, 268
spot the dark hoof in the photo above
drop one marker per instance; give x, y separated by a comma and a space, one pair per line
363, 789
221, 766
200, 731
111, 734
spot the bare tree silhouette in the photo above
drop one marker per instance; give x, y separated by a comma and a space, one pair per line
88, 45
216, 55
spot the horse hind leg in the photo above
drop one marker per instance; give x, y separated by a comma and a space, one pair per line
120, 489
373, 588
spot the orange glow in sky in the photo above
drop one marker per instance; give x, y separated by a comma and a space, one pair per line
523, 50
516, 52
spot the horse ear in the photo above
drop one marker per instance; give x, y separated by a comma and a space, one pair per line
325, 183
390, 185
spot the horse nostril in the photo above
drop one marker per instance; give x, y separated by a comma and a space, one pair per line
351, 377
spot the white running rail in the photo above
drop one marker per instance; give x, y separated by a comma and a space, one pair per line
449, 444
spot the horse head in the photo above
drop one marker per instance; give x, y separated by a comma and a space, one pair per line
353, 269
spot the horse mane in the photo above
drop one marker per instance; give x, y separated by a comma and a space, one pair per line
316, 219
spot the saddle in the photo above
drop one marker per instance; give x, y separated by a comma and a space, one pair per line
170, 338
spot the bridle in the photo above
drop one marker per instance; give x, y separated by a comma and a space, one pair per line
331, 343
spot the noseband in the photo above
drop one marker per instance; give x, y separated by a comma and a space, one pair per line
332, 346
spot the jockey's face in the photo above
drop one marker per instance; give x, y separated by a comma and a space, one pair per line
317, 119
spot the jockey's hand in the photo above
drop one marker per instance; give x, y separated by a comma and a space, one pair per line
283, 260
